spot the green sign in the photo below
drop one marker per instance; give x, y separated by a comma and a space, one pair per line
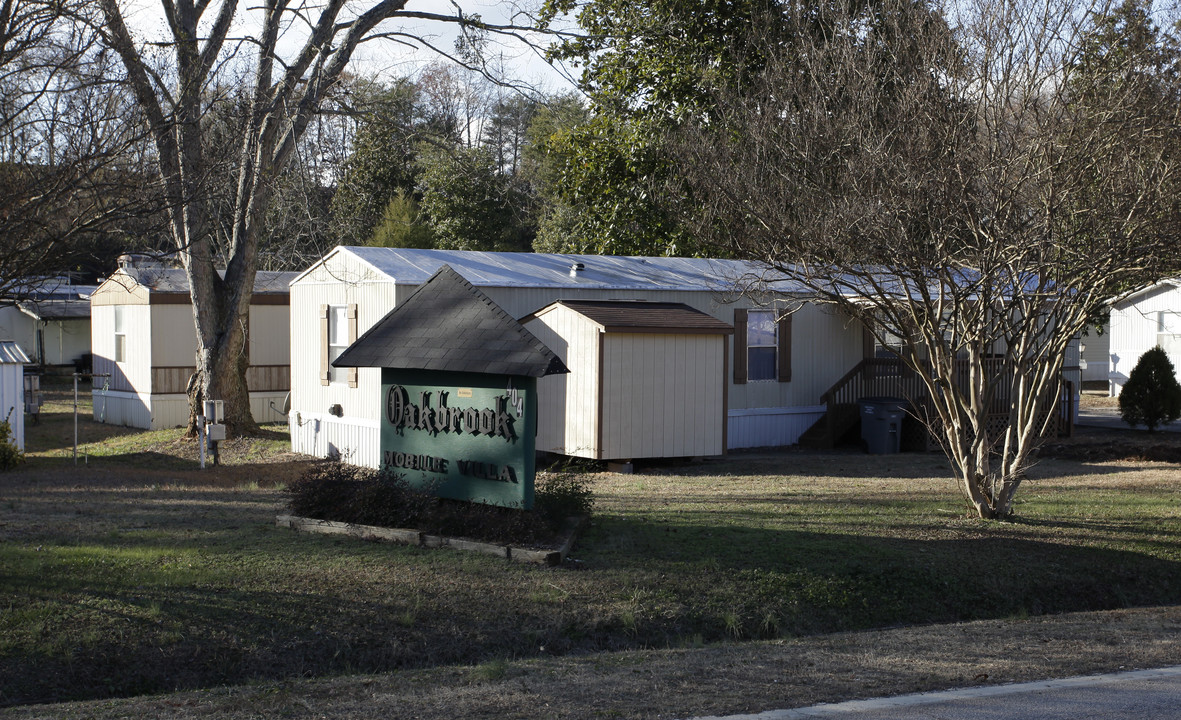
466, 436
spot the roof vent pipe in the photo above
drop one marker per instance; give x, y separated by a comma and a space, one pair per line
576, 268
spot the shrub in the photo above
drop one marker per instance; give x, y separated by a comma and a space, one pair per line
10, 454
335, 491
1152, 395
562, 495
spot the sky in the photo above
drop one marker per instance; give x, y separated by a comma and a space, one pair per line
389, 56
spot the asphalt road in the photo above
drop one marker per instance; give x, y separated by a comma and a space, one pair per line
1136, 695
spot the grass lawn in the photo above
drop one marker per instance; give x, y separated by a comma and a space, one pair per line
136, 573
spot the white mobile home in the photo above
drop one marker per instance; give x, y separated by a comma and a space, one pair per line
50, 318
1141, 321
12, 390
143, 338
783, 354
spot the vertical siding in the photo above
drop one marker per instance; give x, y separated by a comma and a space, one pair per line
339, 281
567, 412
126, 409
1135, 330
137, 371
12, 400
662, 395
1096, 352
102, 340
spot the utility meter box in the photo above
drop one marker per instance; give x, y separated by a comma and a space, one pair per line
216, 432
215, 411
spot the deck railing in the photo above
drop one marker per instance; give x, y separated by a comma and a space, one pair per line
889, 377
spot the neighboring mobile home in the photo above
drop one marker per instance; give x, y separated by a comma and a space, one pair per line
1146, 318
50, 319
767, 375
143, 338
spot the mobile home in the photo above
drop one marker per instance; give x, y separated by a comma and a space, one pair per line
144, 341
764, 359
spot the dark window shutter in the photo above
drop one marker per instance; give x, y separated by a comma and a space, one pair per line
352, 315
324, 345
739, 346
785, 348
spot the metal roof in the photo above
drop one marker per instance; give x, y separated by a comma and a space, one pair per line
56, 309
631, 316
407, 266
11, 353
173, 280
447, 324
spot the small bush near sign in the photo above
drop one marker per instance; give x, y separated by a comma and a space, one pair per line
345, 493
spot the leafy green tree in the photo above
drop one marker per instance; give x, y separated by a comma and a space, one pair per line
1152, 396
382, 163
403, 225
647, 68
469, 203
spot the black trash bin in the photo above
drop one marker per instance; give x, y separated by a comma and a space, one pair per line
881, 423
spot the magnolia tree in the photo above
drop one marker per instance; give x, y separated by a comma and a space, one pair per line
972, 181
286, 57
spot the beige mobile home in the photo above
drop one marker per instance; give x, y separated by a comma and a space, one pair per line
782, 356
143, 338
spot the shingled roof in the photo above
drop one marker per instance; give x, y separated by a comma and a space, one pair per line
447, 324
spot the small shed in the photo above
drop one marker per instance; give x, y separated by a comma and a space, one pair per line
12, 389
458, 392
1148, 317
647, 379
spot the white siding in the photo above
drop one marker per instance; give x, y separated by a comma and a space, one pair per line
1097, 355
121, 408
825, 345
1139, 324
12, 400
340, 281
354, 441
567, 405
770, 427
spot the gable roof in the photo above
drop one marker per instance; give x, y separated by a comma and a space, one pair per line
448, 324
407, 266
636, 316
173, 280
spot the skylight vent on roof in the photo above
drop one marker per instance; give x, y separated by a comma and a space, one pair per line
576, 268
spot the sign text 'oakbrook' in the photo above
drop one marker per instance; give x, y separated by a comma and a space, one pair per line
403, 414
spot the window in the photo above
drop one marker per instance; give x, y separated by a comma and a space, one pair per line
338, 340
120, 336
338, 330
761, 345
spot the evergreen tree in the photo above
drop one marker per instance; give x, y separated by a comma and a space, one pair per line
1152, 395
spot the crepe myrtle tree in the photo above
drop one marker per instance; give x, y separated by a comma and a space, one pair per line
286, 57
971, 181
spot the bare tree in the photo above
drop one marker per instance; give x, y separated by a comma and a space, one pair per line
970, 180
70, 160
283, 92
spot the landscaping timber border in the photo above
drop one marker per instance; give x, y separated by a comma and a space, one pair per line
421, 539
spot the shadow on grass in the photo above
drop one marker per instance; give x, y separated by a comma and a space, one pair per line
155, 590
